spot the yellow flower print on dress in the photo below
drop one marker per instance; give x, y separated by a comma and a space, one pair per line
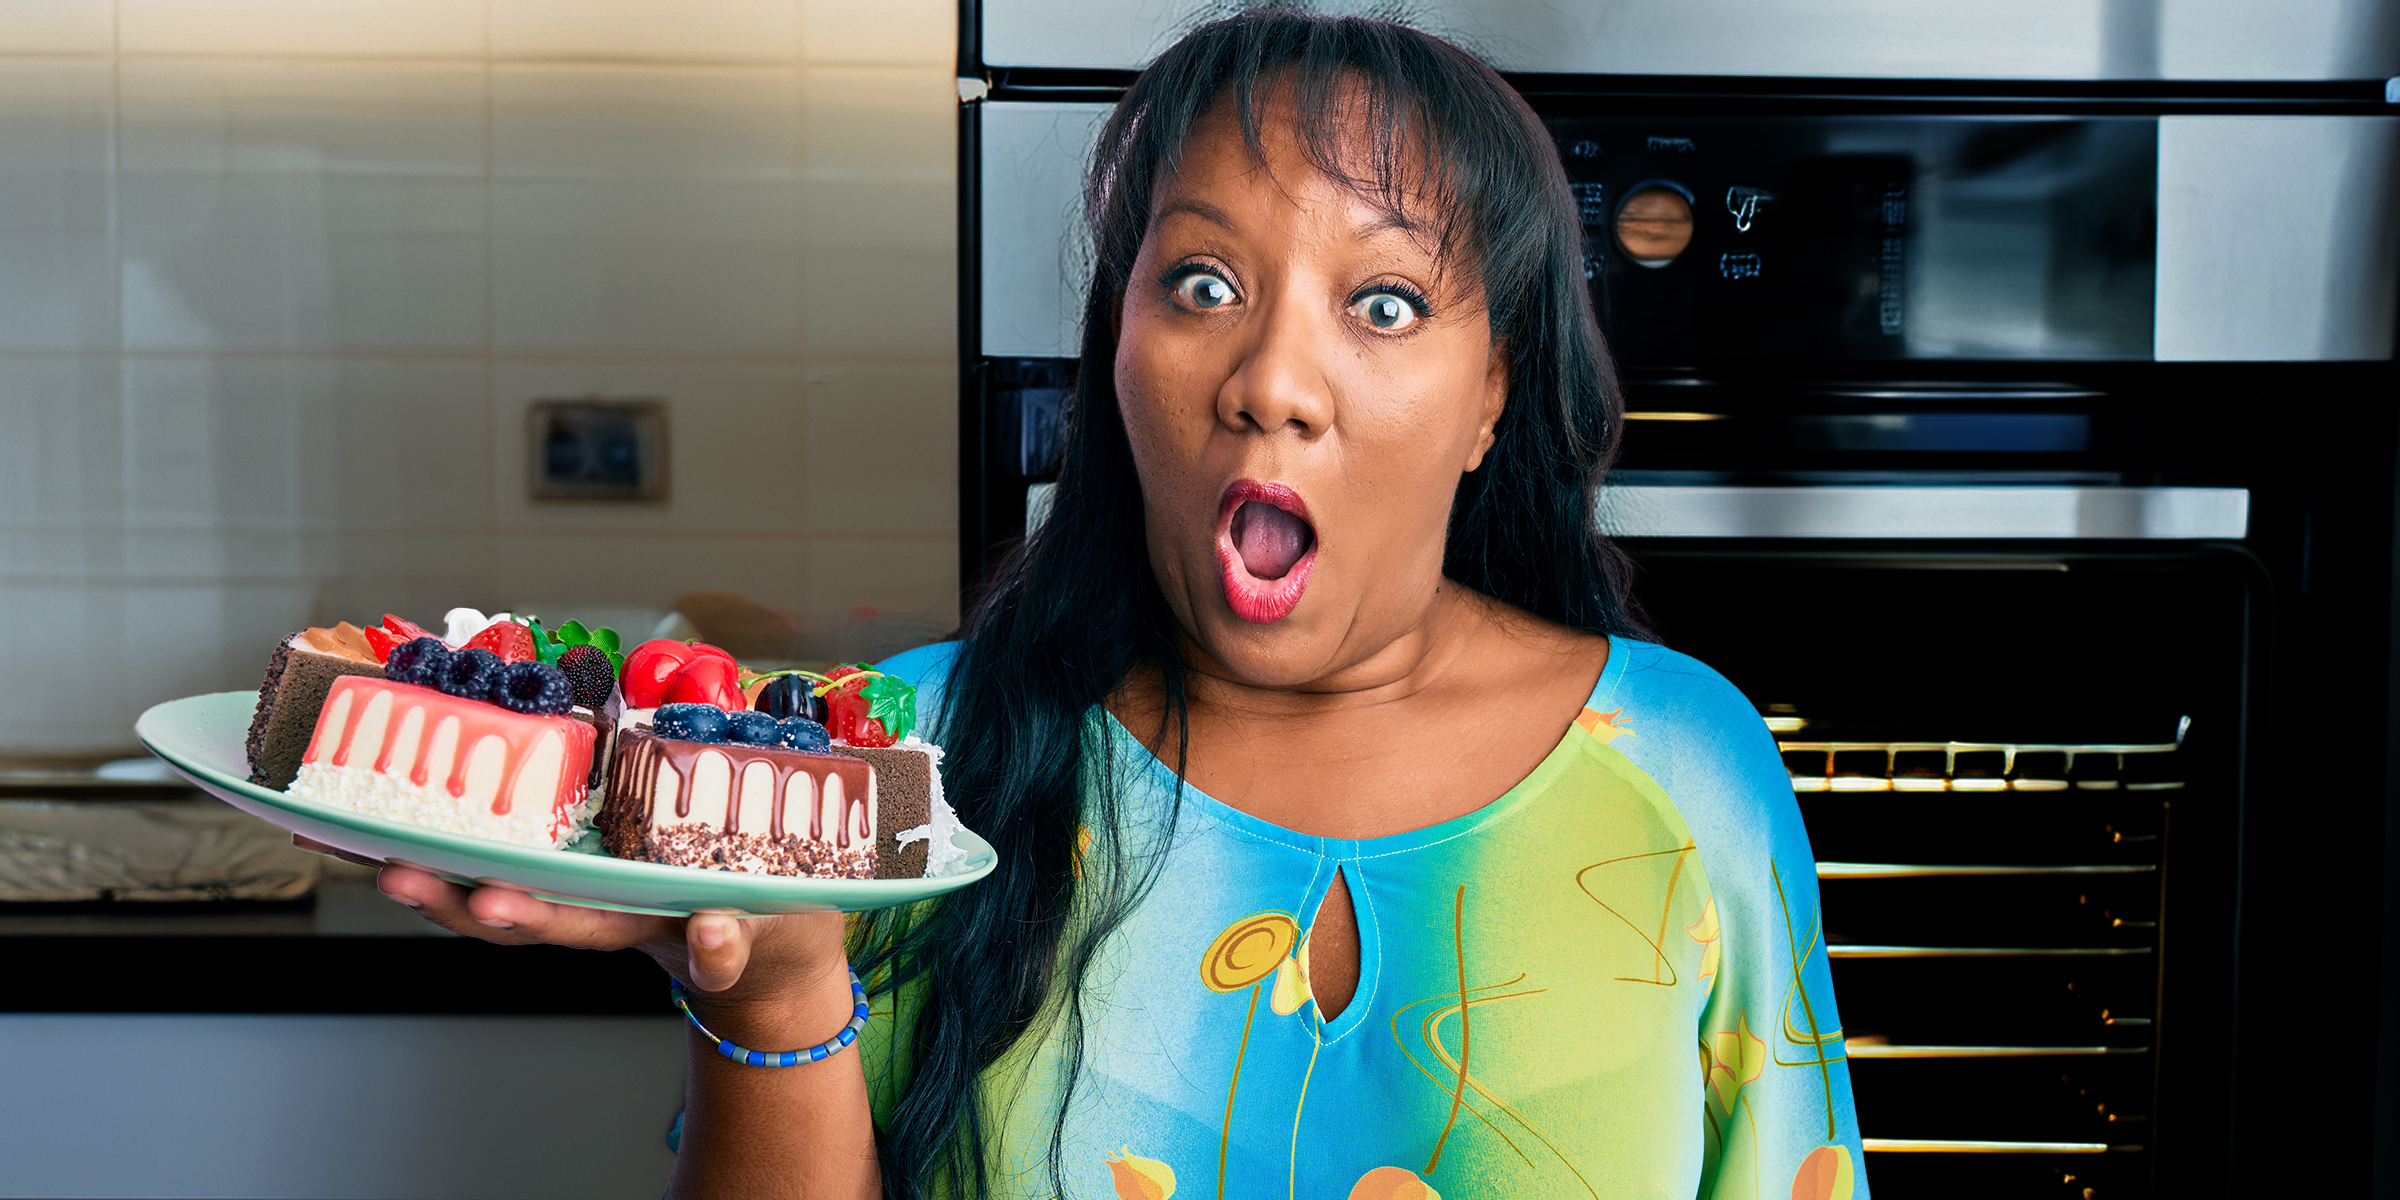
1244, 955
1392, 1183
1825, 1174
1291, 983
1706, 932
1247, 951
1607, 726
1138, 1178
1730, 1058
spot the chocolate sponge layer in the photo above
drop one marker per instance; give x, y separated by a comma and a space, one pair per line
903, 801
288, 702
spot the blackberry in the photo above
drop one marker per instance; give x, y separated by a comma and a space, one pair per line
689, 722
534, 687
750, 728
418, 660
802, 734
590, 673
470, 674
791, 696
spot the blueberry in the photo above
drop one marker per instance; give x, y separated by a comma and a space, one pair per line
802, 734
689, 722
418, 660
534, 687
750, 728
470, 674
791, 696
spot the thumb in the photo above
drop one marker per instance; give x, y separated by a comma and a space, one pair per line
719, 946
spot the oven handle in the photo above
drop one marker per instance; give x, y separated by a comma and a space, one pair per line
1908, 511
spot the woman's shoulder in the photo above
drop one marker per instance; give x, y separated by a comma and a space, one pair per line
1699, 738
1671, 683
925, 666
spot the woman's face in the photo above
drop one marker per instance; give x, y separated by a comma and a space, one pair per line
1302, 385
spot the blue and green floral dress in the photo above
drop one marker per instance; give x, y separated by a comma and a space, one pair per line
1611, 981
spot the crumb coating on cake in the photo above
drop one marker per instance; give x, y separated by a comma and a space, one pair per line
431, 806
754, 854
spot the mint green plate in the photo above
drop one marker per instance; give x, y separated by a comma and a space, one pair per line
202, 738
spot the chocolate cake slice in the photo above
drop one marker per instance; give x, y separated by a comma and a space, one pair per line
908, 778
298, 677
728, 806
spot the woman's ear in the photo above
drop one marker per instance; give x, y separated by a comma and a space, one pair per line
1495, 399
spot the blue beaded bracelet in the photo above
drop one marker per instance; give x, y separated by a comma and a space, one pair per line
787, 1058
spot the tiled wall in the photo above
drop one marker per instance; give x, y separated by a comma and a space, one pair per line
279, 277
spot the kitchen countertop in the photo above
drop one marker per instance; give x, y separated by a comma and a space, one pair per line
341, 948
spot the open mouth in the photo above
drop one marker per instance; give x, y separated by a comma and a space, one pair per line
1265, 548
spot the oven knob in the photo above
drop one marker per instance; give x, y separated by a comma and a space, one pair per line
1654, 224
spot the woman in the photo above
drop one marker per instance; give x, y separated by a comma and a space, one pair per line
1348, 844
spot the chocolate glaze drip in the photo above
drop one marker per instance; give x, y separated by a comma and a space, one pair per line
633, 786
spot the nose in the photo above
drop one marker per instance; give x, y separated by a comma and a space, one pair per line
1280, 382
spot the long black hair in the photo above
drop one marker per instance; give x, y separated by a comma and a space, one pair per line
1076, 607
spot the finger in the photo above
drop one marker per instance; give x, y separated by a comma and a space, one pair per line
719, 948
441, 902
567, 924
316, 847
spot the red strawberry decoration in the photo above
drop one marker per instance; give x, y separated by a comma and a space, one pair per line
405, 629
655, 670
511, 641
380, 641
707, 679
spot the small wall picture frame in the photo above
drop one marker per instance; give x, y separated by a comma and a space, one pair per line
588, 449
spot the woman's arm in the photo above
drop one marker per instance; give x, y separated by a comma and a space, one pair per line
765, 983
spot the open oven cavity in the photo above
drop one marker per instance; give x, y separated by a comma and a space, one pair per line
2020, 775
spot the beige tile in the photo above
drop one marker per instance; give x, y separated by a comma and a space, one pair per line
881, 123
57, 27
649, 571
303, 207
82, 641
418, 575
869, 301
727, 30
916, 580
890, 33
60, 458
410, 449
736, 438
55, 247
738, 124
374, 28
380, 119
645, 267
223, 451
908, 214
883, 449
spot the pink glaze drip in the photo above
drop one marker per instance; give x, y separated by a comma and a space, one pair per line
519, 732
358, 710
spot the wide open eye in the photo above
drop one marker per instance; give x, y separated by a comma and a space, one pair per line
1202, 290
1388, 311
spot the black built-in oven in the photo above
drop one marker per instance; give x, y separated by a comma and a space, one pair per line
2024, 449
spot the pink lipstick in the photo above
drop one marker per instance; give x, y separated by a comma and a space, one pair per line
1266, 547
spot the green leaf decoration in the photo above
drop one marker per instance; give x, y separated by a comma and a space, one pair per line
574, 634
892, 702
606, 639
545, 643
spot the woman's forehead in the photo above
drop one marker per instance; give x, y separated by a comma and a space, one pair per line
1339, 172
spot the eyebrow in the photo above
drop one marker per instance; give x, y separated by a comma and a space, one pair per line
1384, 222
1198, 208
